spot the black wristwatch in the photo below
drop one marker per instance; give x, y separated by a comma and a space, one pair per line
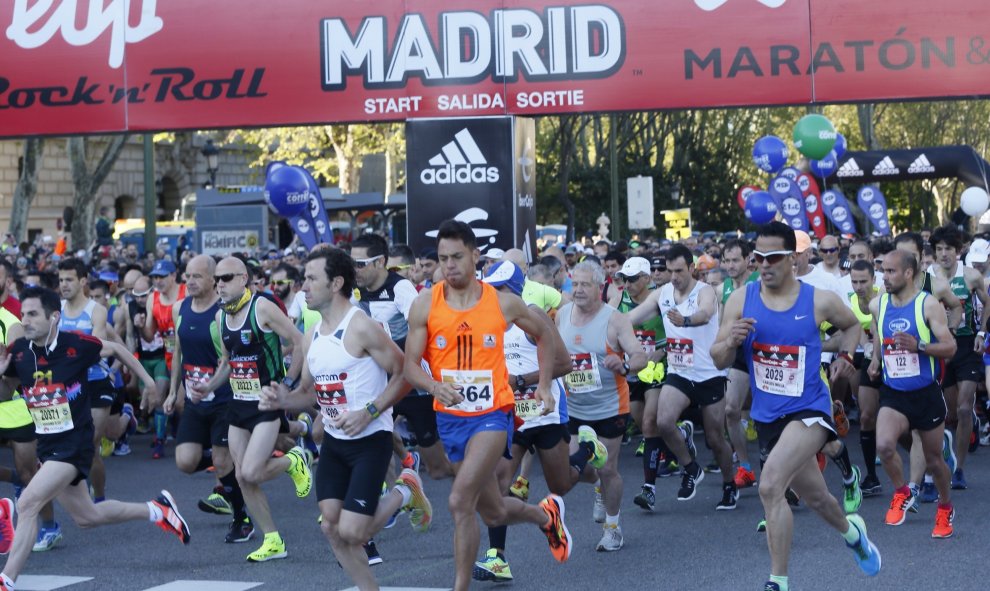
372, 410
520, 383
625, 368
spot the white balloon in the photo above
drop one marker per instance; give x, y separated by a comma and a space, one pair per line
975, 201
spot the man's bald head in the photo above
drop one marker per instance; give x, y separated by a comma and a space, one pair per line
130, 277
230, 265
517, 257
828, 241
903, 259
203, 264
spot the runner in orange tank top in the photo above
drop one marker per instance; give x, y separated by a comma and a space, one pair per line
457, 328
159, 320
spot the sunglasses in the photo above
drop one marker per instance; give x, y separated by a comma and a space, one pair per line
828, 250
362, 263
397, 268
772, 257
227, 278
281, 282
661, 269
877, 261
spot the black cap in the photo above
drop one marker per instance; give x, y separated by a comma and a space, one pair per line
658, 262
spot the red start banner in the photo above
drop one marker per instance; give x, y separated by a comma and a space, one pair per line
95, 66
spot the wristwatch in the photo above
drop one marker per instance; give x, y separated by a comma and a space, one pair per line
922, 346
520, 383
372, 410
288, 382
625, 369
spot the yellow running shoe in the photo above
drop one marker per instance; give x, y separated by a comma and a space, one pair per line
299, 471
419, 507
271, 549
520, 488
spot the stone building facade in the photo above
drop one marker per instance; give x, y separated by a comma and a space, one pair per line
180, 169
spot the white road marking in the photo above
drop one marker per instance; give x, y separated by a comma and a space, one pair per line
203, 586
47, 582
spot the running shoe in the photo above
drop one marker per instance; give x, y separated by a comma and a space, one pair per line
929, 494
898, 508
558, 537
598, 509
866, 554
611, 539
492, 568
792, 497
157, 449
687, 430
668, 469
106, 447
299, 471
171, 520
840, 418
419, 507
914, 495
395, 516
647, 498
47, 538
730, 498
713, 467
744, 478
121, 449
761, 527
958, 480
520, 488
949, 450
689, 483
751, 434
871, 485
943, 522
852, 494
822, 462
411, 461
771, 586
974, 435
272, 548
641, 448
240, 531
371, 551
216, 503
587, 435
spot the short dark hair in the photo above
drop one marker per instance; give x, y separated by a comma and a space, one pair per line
376, 245
552, 263
8, 267
912, 237
74, 264
336, 263
679, 251
50, 301
291, 273
614, 255
403, 252
742, 245
948, 234
456, 230
99, 284
779, 230
864, 243
862, 265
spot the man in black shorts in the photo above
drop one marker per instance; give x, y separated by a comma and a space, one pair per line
51, 366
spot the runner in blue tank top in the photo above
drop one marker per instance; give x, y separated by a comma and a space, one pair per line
775, 322
905, 319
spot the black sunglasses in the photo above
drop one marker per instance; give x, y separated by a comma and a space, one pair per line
227, 278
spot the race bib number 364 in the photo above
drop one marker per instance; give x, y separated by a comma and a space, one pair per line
476, 386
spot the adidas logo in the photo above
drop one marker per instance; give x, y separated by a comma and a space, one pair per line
885, 167
850, 168
459, 162
464, 327
921, 165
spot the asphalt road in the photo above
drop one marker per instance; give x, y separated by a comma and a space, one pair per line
682, 546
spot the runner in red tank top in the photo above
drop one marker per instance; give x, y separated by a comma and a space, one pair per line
159, 319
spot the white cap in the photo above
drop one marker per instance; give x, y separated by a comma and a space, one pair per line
635, 266
496, 254
979, 251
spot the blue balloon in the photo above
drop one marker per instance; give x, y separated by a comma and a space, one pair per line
770, 154
287, 190
760, 208
840, 145
825, 167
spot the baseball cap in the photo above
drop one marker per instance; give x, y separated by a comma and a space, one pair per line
572, 249
658, 263
162, 268
705, 263
495, 254
803, 241
635, 266
507, 274
979, 251
109, 276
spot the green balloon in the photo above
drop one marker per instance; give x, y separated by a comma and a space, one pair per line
814, 136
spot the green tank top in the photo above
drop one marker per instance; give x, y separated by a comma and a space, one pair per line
961, 290
651, 334
865, 318
728, 287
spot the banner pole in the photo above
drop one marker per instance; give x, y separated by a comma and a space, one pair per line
614, 174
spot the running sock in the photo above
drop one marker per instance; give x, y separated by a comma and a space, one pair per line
904, 490
205, 461
496, 539
746, 466
161, 423
841, 460
49, 524
781, 581
273, 536
945, 506
693, 468
928, 479
612, 519
405, 493
98, 500
233, 492
851, 535
651, 457
154, 512
868, 441
582, 456
305, 428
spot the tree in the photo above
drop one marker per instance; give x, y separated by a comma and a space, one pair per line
27, 187
86, 182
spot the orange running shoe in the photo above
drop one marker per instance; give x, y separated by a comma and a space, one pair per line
744, 478
899, 506
822, 461
6, 525
171, 520
841, 420
557, 535
943, 522
419, 507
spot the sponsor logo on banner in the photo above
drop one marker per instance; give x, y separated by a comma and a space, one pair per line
791, 206
829, 199
711, 5
803, 183
866, 194
876, 211
459, 162
469, 216
885, 167
921, 165
781, 185
811, 203
840, 214
302, 226
850, 169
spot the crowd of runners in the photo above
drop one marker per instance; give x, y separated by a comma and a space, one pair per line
353, 369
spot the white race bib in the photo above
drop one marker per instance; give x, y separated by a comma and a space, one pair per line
779, 369
245, 381
49, 408
476, 386
527, 406
680, 353
195, 374
332, 400
584, 376
900, 363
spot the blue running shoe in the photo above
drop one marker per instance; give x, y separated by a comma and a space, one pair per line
958, 480
929, 494
866, 554
949, 450
47, 538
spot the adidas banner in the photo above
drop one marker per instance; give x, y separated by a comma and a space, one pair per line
837, 210
962, 162
481, 171
874, 205
812, 203
790, 202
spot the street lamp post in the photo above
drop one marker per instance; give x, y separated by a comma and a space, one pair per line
212, 155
